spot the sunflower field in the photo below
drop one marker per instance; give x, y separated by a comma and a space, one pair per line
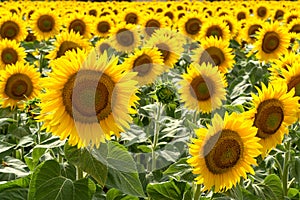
173, 100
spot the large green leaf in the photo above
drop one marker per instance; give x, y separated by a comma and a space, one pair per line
5, 149
14, 193
48, 183
115, 194
273, 183
122, 173
170, 190
18, 183
85, 160
110, 165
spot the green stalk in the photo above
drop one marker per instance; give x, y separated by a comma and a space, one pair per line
156, 133
197, 192
285, 174
79, 173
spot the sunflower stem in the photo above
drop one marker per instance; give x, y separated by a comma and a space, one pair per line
156, 133
197, 192
79, 173
286, 169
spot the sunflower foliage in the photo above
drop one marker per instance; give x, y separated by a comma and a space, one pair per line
192, 101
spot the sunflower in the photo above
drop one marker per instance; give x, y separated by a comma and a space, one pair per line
131, 16
93, 10
272, 41
282, 63
147, 62
216, 28
11, 53
79, 23
250, 29
87, 100
202, 88
190, 24
169, 47
45, 24
66, 41
290, 16
279, 14
18, 83
103, 26
274, 110
171, 14
125, 37
232, 25
153, 22
224, 152
12, 28
261, 11
103, 45
294, 26
242, 14
216, 52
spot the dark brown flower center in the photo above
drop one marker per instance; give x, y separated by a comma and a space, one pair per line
151, 26
170, 15
222, 151
131, 18
229, 24
295, 28
290, 18
142, 65
268, 118
66, 46
212, 55
9, 56
45, 23
30, 37
262, 11
78, 26
252, 30
201, 88
295, 83
271, 42
240, 16
279, 14
18, 87
125, 37
87, 96
104, 47
214, 31
9, 30
165, 50
93, 12
193, 26
103, 27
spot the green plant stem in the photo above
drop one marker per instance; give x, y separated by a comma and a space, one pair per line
197, 192
155, 137
285, 173
79, 173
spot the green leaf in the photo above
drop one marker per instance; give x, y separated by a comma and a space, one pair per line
85, 160
110, 165
48, 183
84, 189
14, 166
18, 183
5, 149
170, 190
274, 183
14, 193
115, 194
122, 173
292, 192
26, 141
